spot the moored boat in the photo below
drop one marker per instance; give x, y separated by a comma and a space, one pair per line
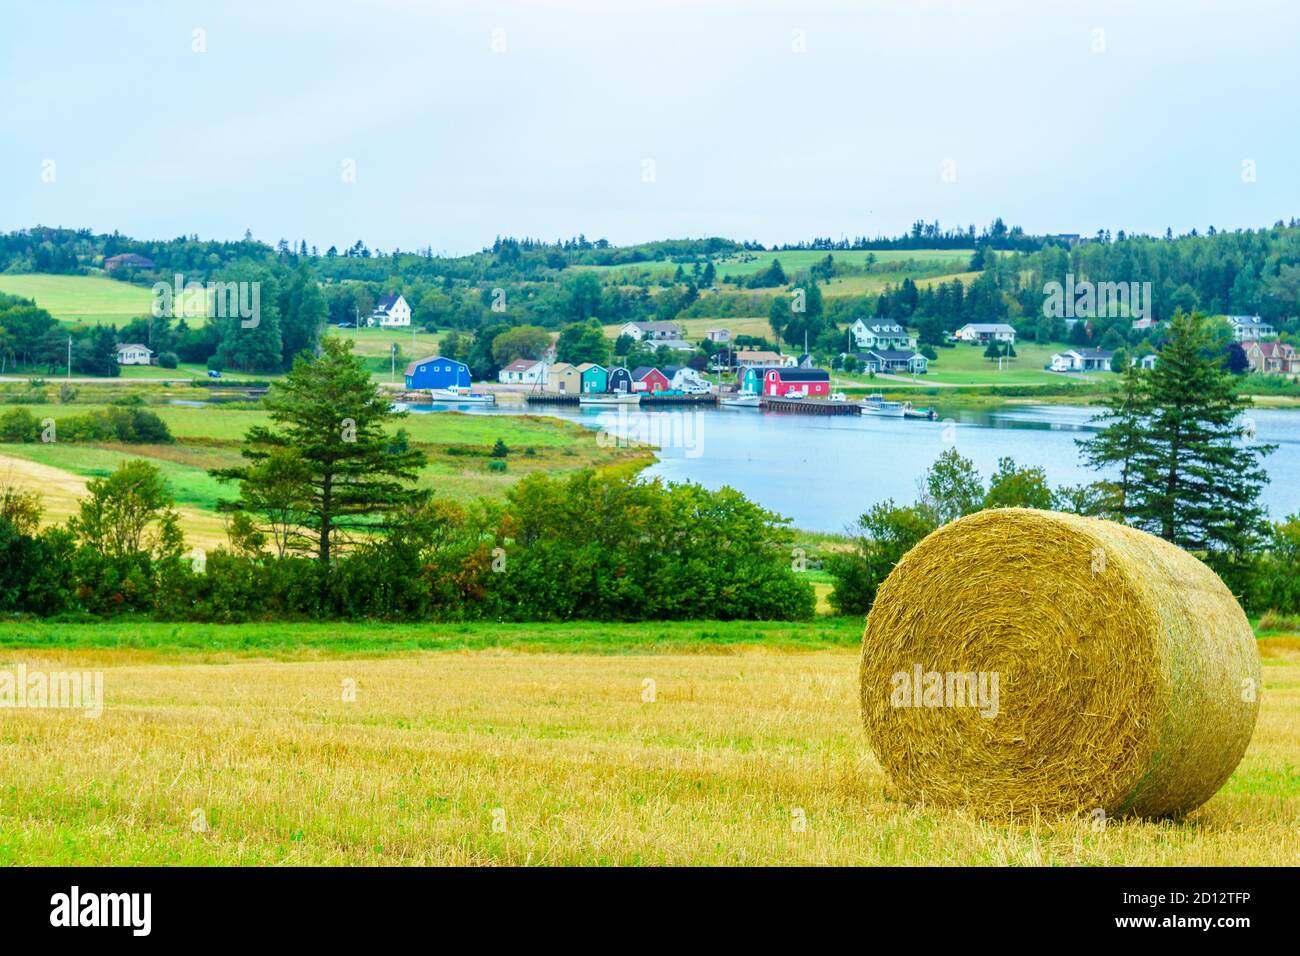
741, 400
609, 398
450, 396
875, 404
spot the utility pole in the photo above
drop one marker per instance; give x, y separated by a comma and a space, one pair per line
69, 358
392, 354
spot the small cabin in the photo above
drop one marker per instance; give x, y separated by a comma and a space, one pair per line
649, 380
619, 380
594, 378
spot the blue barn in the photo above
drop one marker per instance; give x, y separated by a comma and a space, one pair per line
437, 372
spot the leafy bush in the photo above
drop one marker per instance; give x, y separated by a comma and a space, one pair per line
168, 360
19, 425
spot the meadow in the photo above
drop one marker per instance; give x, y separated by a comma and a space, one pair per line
965, 365
624, 744
82, 300
457, 446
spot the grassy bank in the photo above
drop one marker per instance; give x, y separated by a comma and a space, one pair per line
295, 640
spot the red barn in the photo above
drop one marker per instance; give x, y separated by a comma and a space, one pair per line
812, 382
651, 380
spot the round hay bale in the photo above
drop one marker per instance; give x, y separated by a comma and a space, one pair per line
1019, 660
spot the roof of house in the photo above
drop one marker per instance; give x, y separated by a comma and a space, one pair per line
1094, 353
987, 327
758, 357
894, 355
657, 326
386, 302
641, 371
129, 259
411, 367
588, 366
878, 325
133, 345
800, 374
1245, 320
1273, 349
522, 365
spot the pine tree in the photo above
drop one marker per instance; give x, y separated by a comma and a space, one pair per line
1190, 477
1124, 436
331, 416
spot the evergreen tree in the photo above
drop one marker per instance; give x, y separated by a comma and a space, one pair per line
302, 315
1188, 475
1124, 435
332, 416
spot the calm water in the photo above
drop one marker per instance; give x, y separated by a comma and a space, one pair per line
824, 472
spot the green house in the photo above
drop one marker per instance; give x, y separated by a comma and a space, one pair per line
751, 379
594, 377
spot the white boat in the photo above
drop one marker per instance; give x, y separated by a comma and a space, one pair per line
876, 405
741, 400
609, 398
450, 396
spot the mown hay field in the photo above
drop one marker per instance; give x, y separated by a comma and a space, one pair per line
743, 754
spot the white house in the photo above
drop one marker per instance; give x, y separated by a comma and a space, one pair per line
1250, 328
683, 378
655, 332
720, 336
880, 334
1082, 360
986, 332
132, 354
763, 359
524, 372
1147, 361
390, 310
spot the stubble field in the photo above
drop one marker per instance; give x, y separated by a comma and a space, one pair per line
731, 754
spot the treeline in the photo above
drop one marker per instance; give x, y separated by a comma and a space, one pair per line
930, 235
1177, 461
329, 521
593, 547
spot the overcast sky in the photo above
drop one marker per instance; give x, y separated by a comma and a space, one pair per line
640, 120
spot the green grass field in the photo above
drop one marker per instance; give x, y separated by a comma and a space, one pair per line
690, 743
456, 444
82, 300
966, 365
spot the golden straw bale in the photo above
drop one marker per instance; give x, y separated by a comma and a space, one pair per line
1019, 661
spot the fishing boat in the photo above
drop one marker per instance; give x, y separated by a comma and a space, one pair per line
451, 396
609, 398
875, 404
928, 414
741, 400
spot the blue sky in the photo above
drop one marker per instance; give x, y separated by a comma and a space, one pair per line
1046, 121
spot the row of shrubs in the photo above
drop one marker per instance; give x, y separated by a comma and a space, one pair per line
591, 547
126, 424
